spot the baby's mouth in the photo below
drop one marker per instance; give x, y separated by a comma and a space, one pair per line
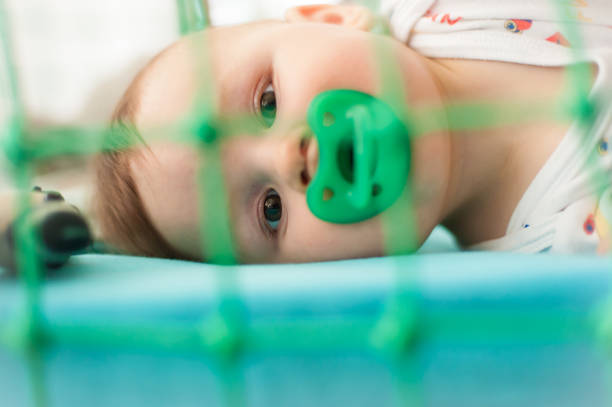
309, 149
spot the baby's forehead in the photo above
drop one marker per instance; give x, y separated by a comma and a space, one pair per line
167, 85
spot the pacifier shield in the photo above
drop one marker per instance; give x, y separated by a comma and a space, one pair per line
364, 156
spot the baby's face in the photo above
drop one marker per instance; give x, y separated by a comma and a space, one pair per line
271, 71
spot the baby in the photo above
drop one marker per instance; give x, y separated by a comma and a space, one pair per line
532, 186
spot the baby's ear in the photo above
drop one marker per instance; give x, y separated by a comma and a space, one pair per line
354, 16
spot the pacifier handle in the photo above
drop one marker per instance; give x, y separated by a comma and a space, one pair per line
362, 157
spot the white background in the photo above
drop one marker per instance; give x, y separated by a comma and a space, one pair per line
74, 58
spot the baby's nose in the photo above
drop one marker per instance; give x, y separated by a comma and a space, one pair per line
297, 158
310, 151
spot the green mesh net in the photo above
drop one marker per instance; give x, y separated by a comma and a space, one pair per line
226, 336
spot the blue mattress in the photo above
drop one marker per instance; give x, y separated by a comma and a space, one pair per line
433, 329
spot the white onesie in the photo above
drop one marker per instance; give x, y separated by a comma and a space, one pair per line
563, 209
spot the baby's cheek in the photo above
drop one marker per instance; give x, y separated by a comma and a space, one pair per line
307, 64
321, 241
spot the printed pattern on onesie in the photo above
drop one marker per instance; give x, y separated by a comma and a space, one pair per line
523, 31
567, 208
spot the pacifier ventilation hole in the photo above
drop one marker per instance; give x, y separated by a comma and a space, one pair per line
327, 194
328, 119
376, 190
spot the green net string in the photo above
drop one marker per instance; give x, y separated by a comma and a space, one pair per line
29, 329
394, 335
193, 16
224, 331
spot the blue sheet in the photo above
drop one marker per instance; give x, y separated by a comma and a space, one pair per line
478, 329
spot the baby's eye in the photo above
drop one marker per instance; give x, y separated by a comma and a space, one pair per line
272, 209
267, 106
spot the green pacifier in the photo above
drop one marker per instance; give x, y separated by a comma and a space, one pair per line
364, 156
